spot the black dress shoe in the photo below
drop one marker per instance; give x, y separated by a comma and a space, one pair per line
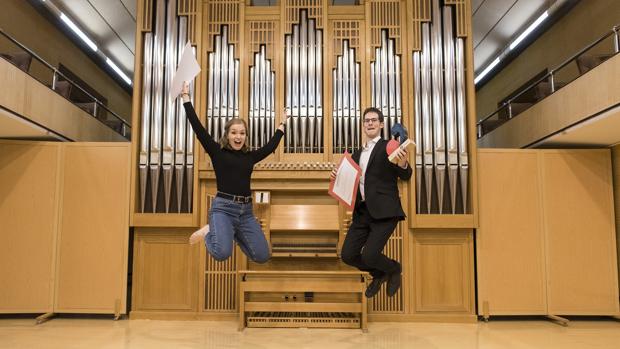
375, 285
393, 284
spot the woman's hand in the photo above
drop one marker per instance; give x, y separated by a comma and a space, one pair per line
285, 118
185, 92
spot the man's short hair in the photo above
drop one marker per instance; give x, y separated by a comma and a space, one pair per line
373, 110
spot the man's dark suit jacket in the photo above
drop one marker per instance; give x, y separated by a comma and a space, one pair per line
380, 183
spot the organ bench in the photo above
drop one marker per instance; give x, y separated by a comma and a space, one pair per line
327, 299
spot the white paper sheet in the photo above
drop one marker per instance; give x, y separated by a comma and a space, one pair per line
186, 71
345, 182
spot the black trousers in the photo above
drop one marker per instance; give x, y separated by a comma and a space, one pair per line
364, 243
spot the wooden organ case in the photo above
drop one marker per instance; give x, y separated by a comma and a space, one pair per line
326, 63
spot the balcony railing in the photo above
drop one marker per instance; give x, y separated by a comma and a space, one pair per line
63, 85
586, 59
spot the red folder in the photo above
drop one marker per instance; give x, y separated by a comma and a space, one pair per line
348, 202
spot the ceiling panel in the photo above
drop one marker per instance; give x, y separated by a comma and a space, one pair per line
130, 5
119, 19
487, 16
109, 23
475, 4
112, 24
496, 22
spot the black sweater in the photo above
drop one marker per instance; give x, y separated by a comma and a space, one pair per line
233, 168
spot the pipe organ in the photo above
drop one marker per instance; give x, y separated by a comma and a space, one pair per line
321, 65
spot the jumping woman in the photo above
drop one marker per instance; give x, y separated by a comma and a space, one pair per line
230, 216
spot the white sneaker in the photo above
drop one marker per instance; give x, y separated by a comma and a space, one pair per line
199, 235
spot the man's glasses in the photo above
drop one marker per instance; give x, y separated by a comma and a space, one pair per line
371, 120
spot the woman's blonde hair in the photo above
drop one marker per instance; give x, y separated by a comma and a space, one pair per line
224, 139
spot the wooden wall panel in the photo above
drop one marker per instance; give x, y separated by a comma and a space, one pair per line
384, 14
615, 161
219, 13
164, 274
461, 17
381, 303
36, 102
93, 228
580, 232
443, 271
292, 9
510, 239
352, 30
189, 8
564, 197
28, 207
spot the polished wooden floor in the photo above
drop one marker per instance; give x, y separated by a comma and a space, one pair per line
105, 333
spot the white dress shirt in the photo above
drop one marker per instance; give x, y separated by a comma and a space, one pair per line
364, 157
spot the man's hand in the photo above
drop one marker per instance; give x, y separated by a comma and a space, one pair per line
334, 173
401, 157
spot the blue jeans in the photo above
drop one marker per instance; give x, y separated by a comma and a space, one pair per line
230, 221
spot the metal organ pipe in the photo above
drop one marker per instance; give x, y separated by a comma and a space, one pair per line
157, 100
357, 126
311, 86
211, 95
224, 93
223, 83
462, 121
165, 143
450, 93
262, 82
146, 117
346, 106
383, 78
391, 86
181, 123
346, 94
440, 115
294, 135
189, 173
319, 89
260, 125
438, 103
417, 114
426, 110
385, 82
304, 87
303, 79
170, 61
217, 87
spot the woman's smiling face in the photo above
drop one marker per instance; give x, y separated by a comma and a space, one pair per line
236, 136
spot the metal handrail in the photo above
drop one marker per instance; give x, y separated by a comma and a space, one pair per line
615, 31
56, 72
